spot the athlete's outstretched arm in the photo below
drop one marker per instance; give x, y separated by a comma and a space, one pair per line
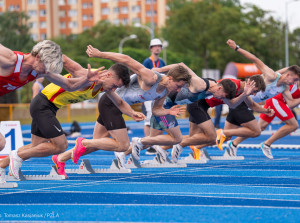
7, 57
289, 98
159, 110
257, 108
266, 71
233, 103
73, 84
73, 67
124, 106
147, 75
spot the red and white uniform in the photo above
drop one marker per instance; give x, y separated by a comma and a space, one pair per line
278, 104
212, 102
12, 82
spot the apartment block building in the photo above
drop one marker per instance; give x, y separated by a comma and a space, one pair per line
51, 18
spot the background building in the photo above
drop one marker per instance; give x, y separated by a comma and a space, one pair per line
51, 18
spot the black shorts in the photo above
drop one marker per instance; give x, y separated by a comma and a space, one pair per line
44, 122
198, 112
240, 115
109, 115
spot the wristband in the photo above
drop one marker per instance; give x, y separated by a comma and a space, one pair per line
237, 47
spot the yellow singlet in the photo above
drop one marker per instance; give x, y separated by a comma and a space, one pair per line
59, 97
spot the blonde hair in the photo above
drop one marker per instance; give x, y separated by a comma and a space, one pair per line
180, 73
50, 54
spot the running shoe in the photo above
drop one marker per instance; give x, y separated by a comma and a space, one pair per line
232, 149
163, 154
121, 159
196, 152
15, 163
176, 151
2, 176
78, 150
220, 139
137, 147
266, 150
60, 167
151, 151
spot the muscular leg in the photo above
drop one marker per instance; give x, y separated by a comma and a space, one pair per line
203, 133
99, 132
254, 128
248, 129
153, 133
119, 141
2, 142
41, 147
174, 136
227, 126
290, 126
5, 162
101, 141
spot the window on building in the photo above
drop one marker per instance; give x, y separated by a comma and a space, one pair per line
43, 12
43, 36
104, 1
72, 24
116, 9
62, 13
84, 5
149, 13
136, 20
43, 25
72, 2
61, 2
1, 3
34, 37
124, 10
11, 8
72, 13
33, 25
42, 2
136, 8
116, 21
31, 2
125, 21
85, 17
31, 13
62, 25
105, 11
150, 1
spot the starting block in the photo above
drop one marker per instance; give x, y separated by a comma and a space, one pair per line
8, 185
190, 159
226, 156
155, 163
133, 163
52, 176
86, 168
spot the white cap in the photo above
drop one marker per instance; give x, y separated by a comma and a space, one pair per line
155, 42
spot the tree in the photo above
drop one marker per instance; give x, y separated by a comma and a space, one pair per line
200, 30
